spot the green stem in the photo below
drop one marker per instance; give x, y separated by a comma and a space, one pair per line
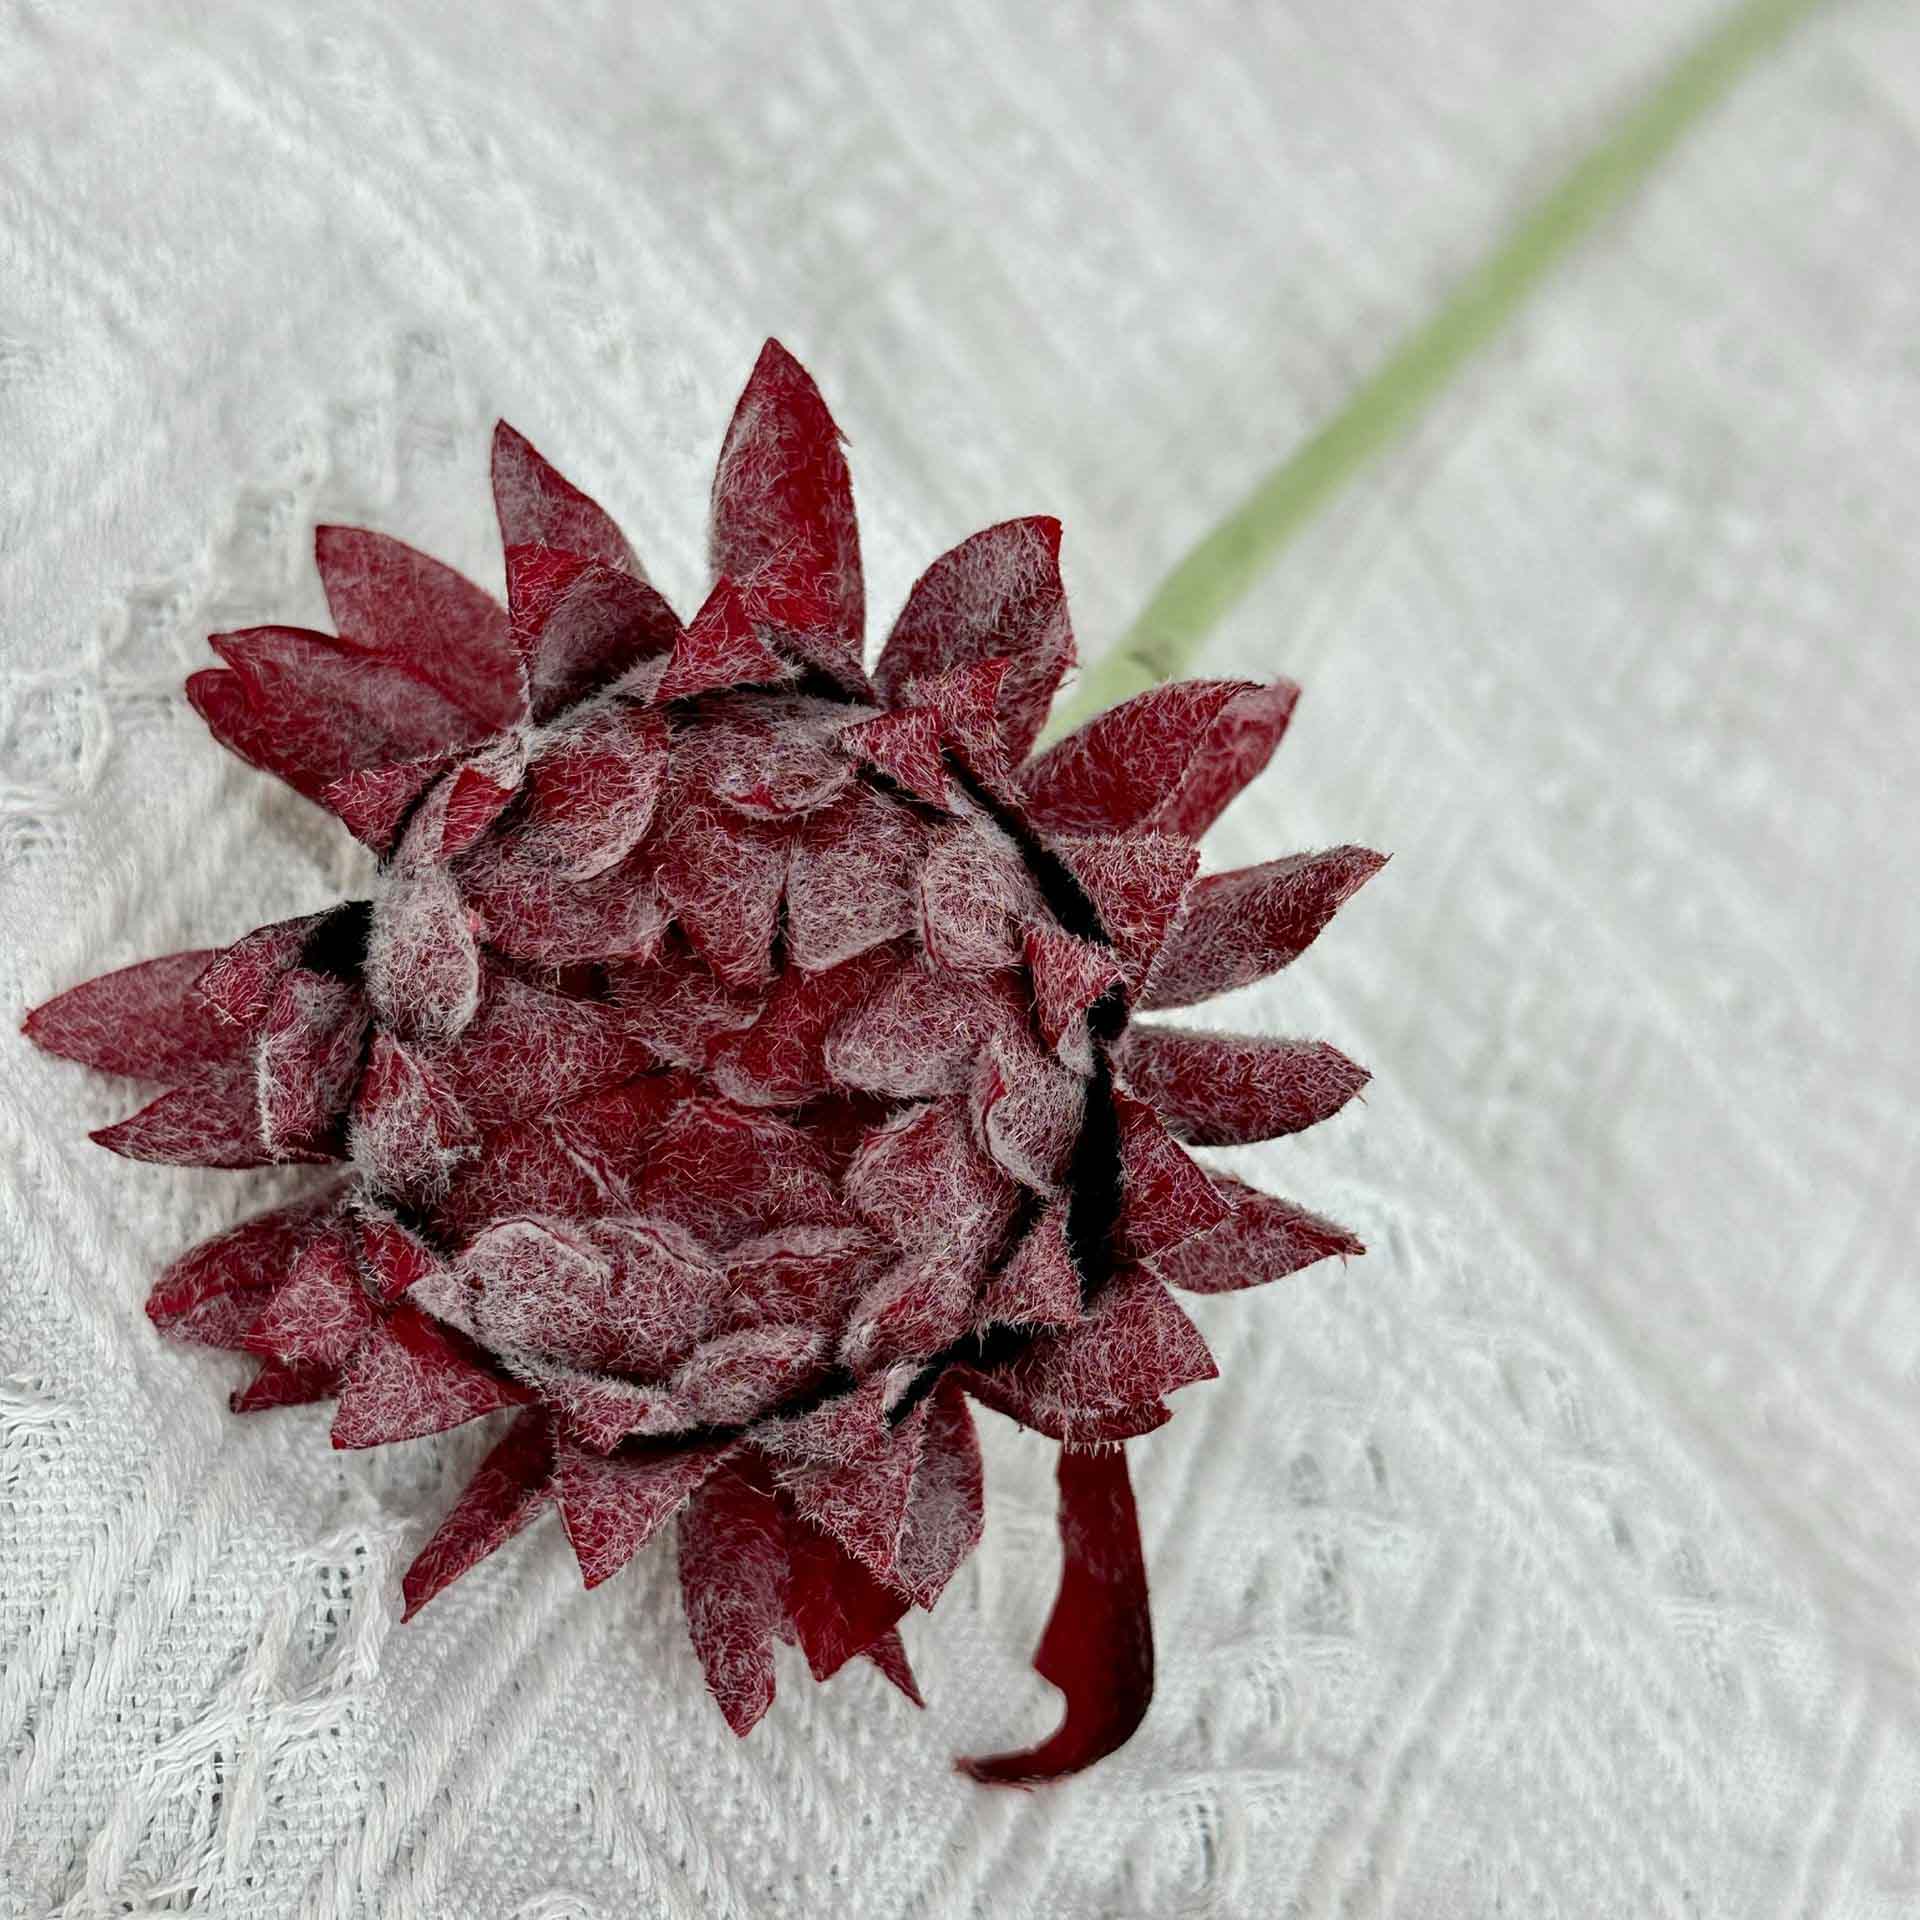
1227, 562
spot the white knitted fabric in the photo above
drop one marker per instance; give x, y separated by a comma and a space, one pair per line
1562, 1556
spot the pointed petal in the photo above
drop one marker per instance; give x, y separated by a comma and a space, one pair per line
919, 1308
613, 1505
722, 877
780, 1061
594, 790
723, 647
1228, 1089
574, 1161
1136, 885
905, 747
333, 703
213, 1293
725, 1173
282, 1384
422, 962
836, 1606
889, 1654
537, 507
1239, 927
1070, 976
373, 802
1027, 1110
305, 1063
527, 1050
850, 878
976, 896
313, 709
1165, 1193
581, 626
783, 500
946, 1510
392, 1257
966, 707
531, 914
1042, 1285
996, 596
408, 1131
508, 1491
921, 1031
1126, 765
736, 1377
396, 603
861, 1504
321, 1313
1266, 1238
414, 1376
921, 1179
212, 1121
1105, 1379
147, 1020
733, 1582
1098, 1645
811, 1274
1237, 747
240, 981
679, 1006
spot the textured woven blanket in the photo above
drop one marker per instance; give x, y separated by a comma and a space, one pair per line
1562, 1556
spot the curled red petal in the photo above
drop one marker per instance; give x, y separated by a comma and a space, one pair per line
414, 1376
722, 878
613, 1504
946, 1508
212, 1121
511, 1486
1136, 884
320, 1313
213, 1293
904, 746
538, 507
850, 879
580, 626
408, 1131
148, 1020
594, 789
1239, 927
240, 981
1119, 771
418, 615
305, 1063
1165, 1194
996, 596
1264, 1239
1237, 746
1229, 1089
783, 504
1104, 1379
837, 1608
373, 802
780, 1061
1098, 1644
733, 1584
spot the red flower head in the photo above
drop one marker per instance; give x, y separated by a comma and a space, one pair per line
735, 1074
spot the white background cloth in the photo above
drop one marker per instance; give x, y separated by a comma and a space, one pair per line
1560, 1557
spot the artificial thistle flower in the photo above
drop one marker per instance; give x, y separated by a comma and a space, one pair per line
737, 1074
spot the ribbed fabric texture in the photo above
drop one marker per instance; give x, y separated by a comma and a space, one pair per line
1560, 1556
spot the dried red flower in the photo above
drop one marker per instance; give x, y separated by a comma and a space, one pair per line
734, 1073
